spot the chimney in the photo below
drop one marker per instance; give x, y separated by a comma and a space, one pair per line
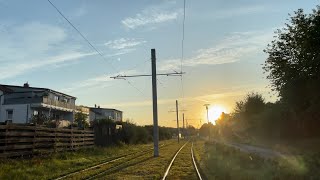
26, 85
95, 105
98, 106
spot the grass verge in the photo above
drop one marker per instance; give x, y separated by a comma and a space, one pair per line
55, 165
223, 162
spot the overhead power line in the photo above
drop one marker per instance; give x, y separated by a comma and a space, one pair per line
182, 49
75, 28
90, 44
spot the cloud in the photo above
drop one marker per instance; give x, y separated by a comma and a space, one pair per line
229, 50
153, 15
123, 43
93, 82
15, 69
120, 52
34, 45
238, 11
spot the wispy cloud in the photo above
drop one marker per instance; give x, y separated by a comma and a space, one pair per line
93, 82
123, 43
239, 11
231, 49
14, 69
35, 45
153, 15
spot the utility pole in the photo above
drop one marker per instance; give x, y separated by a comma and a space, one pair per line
207, 107
155, 104
183, 127
183, 120
154, 97
177, 112
177, 118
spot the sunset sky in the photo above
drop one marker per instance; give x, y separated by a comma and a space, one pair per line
223, 51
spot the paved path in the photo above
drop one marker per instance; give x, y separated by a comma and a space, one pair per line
261, 151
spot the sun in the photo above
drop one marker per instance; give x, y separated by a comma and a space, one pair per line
215, 112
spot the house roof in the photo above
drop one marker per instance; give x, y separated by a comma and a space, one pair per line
111, 109
9, 89
5, 89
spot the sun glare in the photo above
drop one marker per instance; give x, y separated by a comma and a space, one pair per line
215, 112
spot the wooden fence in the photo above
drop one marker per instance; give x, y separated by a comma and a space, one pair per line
25, 140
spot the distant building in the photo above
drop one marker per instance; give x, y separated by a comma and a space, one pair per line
105, 113
85, 110
20, 103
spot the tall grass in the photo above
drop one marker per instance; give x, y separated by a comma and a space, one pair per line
223, 162
54, 165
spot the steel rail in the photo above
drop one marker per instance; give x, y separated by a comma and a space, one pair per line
194, 163
104, 163
174, 157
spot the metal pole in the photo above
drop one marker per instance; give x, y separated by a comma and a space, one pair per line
155, 104
177, 111
183, 127
207, 114
183, 120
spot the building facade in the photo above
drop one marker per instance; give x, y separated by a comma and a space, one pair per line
20, 104
97, 113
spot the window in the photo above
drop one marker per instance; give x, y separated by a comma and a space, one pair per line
9, 114
56, 98
35, 112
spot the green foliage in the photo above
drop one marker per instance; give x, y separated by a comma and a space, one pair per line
252, 104
295, 53
206, 129
293, 66
81, 119
40, 119
133, 134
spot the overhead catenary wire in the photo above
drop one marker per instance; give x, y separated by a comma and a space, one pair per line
182, 51
75, 28
90, 44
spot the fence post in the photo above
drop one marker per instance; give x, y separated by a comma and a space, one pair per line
55, 139
83, 136
34, 139
6, 138
71, 139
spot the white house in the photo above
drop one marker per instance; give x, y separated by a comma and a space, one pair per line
20, 103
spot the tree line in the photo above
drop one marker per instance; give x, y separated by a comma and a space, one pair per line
293, 68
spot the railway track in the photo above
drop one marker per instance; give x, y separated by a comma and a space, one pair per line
171, 164
126, 157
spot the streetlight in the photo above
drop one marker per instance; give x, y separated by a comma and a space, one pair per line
207, 107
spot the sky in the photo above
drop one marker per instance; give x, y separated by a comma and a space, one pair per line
222, 59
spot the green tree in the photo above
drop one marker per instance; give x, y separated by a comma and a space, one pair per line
293, 67
252, 104
295, 54
81, 119
206, 129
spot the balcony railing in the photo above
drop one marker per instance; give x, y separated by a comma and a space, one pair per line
32, 98
57, 103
